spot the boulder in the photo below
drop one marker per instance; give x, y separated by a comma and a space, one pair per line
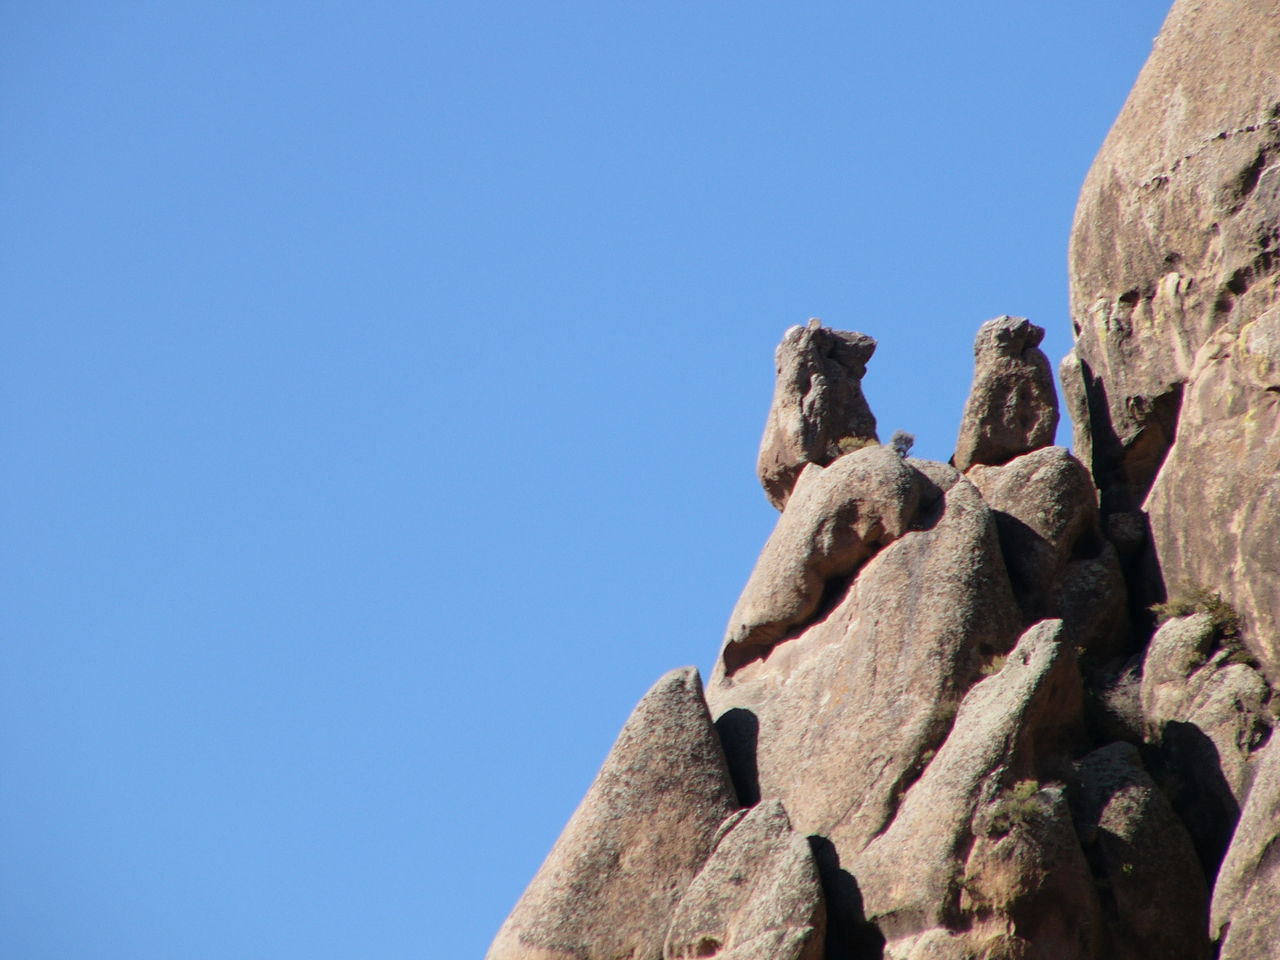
757, 898
838, 721
977, 822
1012, 407
609, 887
1175, 288
818, 409
1155, 895
1059, 562
1245, 915
835, 520
1207, 713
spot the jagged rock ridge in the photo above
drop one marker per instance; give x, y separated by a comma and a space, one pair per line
943, 724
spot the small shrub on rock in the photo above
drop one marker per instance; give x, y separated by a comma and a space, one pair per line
1183, 603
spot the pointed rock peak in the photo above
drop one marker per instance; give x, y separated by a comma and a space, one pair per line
757, 898
610, 884
818, 408
1013, 406
1007, 336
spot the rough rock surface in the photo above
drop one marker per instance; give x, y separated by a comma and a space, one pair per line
1156, 896
838, 721
817, 403
1207, 714
961, 852
1059, 562
836, 518
1174, 293
1186, 681
1246, 899
757, 898
609, 887
1013, 406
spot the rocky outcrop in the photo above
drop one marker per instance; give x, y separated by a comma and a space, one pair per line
1155, 895
1246, 899
1206, 711
1059, 562
839, 720
757, 898
836, 519
610, 885
942, 695
977, 848
818, 408
1174, 294
1013, 406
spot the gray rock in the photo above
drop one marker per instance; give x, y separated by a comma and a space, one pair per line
817, 403
840, 719
963, 826
757, 898
610, 885
1012, 407
837, 518
1245, 914
1156, 896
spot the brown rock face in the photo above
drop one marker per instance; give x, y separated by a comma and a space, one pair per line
1012, 407
1060, 564
836, 518
757, 898
972, 852
1207, 714
1246, 899
1141, 852
837, 721
1174, 303
609, 887
817, 403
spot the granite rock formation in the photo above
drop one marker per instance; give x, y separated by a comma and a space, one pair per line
944, 723
1174, 287
818, 408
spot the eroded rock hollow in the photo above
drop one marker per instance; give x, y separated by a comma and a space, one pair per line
1018, 706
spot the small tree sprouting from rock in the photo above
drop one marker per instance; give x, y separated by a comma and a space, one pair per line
901, 441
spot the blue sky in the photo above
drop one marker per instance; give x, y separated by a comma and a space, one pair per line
380, 398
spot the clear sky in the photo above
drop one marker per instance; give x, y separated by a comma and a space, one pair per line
381, 388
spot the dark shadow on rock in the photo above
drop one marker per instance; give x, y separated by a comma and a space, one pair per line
1188, 769
739, 734
850, 936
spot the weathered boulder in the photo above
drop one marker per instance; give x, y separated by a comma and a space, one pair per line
757, 898
836, 519
840, 719
1207, 714
1059, 562
609, 887
817, 404
1174, 291
1245, 914
1012, 407
977, 847
1155, 895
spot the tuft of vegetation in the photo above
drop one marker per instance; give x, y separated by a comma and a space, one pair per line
850, 444
902, 442
1017, 805
994, 665
1226, 622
